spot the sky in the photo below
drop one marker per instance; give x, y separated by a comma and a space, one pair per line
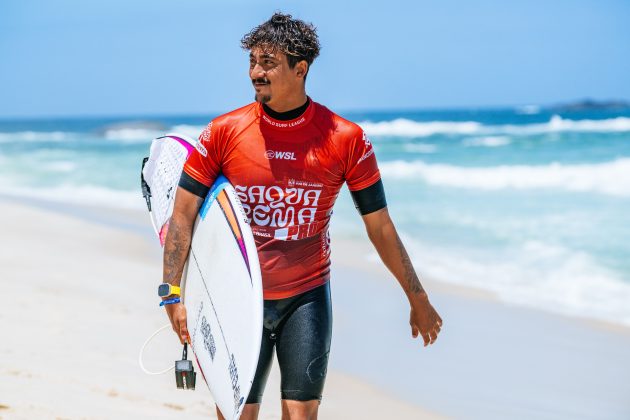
152, 57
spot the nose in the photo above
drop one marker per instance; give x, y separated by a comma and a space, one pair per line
257, 71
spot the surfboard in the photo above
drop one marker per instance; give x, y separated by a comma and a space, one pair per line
221, 284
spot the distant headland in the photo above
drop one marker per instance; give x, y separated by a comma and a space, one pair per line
591, 105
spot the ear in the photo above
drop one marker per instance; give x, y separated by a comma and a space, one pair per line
301, 68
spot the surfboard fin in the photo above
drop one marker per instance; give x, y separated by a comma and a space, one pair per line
146, 191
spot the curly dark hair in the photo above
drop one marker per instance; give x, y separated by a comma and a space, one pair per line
293, 37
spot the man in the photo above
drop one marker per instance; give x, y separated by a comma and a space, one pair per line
287, 158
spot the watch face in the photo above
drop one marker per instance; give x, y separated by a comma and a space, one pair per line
164, 290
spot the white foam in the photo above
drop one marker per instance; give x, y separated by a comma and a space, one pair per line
36, 136
489, 141
89, 195
142, 135
528, 110
534, 274
420, 147
190, 130
60, 166
606, 178
132, 134
557, 123
407, 128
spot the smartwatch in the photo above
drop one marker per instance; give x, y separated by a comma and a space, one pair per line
167, 289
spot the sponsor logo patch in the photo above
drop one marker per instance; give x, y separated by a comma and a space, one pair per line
272, 154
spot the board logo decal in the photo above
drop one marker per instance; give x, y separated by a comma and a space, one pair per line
236, 387
230, 216
219, 185
208, 338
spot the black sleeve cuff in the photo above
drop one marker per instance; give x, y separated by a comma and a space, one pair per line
370, 199
190, 184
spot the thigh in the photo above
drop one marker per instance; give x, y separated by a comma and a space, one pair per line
263, 368
303, 344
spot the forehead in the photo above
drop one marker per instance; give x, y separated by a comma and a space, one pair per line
267, 52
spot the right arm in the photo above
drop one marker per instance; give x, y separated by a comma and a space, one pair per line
176, 248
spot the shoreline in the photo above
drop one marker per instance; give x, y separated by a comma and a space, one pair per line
137, 221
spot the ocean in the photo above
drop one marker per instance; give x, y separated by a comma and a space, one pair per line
527, 203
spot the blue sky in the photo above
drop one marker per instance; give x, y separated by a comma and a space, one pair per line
138, 57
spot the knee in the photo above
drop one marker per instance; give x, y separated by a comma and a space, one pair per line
299, 410
250, 412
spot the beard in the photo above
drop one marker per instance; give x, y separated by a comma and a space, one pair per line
263, 99
258, 97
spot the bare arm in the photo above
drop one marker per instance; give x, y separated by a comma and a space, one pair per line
176, 248
382, 233
179, 235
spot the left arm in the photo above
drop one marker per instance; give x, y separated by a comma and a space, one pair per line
424, 319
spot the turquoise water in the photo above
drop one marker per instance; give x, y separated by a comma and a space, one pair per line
527, 203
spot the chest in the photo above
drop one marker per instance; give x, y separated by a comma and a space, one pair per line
295, 159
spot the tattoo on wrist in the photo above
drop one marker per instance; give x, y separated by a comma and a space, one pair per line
411, 278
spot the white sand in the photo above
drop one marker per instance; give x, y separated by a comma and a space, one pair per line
79, 301
69, 344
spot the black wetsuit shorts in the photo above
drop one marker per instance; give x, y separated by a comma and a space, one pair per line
300, 329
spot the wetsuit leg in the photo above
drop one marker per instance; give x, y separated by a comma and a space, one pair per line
262, 370
303, 344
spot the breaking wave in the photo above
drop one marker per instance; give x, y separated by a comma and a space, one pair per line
534, 274
407, 128
609, 178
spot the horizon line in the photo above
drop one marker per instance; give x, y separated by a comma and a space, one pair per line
156, 115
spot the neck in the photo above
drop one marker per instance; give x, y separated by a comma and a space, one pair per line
289, 103
288, 115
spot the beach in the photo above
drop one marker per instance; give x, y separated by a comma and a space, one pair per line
82, 304
83, 286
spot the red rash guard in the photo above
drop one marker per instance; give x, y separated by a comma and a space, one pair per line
287, 175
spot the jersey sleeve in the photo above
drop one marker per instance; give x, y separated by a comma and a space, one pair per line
361, 167
204, 163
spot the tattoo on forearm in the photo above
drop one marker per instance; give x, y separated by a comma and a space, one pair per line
411, 278
175, 252
176, 249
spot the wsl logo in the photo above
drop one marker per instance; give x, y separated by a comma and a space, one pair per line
271, 154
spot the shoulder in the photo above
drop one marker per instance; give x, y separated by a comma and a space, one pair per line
237, 118
230, 124
340, 126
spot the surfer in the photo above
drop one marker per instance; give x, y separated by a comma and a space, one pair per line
288, 157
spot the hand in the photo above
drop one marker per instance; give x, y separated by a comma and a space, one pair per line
177, 315
424, 320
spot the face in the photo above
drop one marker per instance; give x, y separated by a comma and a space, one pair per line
274, 81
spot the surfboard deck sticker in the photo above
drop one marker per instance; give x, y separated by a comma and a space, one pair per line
221, 285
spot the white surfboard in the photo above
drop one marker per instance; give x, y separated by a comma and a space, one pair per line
222, 284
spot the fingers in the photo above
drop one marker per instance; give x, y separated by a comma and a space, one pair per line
414, 331
183, 331
428, 336
177, 315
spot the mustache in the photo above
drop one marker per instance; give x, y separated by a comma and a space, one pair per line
260, 80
